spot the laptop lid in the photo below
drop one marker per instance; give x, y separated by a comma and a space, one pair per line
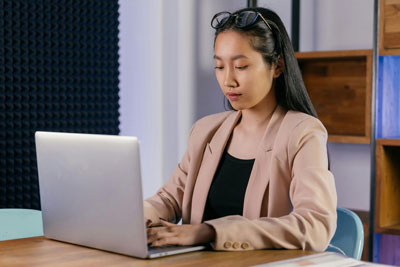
91, 192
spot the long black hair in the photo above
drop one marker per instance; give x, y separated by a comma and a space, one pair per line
274, 43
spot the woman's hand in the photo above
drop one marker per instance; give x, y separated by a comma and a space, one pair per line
183, 235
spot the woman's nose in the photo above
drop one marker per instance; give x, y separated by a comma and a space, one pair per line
230, 79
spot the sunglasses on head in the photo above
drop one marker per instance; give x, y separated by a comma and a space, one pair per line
242, 19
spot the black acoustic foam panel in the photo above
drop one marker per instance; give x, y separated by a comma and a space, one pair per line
58, 72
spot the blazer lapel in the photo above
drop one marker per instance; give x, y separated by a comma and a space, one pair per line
260, 174
211, 158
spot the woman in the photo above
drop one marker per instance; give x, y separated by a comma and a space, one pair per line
255, 177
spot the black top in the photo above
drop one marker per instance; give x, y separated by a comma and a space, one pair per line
226, 195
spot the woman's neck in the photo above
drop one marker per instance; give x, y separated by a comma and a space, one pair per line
259, 115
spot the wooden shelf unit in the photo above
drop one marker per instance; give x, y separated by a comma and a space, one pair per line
339, 84
389, 27
387, 203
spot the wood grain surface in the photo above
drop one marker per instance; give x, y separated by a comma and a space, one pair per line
387, 217
389, 27
339, 85
40, 251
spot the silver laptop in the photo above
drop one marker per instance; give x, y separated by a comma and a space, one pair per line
91, 193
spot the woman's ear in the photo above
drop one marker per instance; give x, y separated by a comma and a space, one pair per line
279, 67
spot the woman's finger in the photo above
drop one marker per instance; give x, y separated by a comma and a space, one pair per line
160, 234
171, 240
154, 230
165, 223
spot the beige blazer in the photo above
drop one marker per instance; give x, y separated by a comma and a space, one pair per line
290, 200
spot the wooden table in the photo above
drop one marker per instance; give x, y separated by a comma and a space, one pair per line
40, 251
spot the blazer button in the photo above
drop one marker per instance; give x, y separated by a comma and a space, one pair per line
236, 245
227, 244
245, 245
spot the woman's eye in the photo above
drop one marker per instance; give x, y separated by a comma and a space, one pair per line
241, 67
219, 68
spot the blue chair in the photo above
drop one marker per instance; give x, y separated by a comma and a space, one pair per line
349, 236
20, 223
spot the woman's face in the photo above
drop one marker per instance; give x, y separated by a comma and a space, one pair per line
243, 75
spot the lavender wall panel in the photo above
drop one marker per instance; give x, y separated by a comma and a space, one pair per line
388, 97
390, 249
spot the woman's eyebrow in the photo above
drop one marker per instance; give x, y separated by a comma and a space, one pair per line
233, 58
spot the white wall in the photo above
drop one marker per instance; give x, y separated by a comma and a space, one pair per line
168, 80
350, 164
156, 82
342, 25
336, 25
281, 7
140, 83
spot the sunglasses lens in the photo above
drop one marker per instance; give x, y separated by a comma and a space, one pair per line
220, 19
246, 18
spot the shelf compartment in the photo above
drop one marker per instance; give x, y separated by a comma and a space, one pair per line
389, 27
339, 84
387, 217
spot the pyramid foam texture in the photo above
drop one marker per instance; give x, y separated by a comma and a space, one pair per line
58, 72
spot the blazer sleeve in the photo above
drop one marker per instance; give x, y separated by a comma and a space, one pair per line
167, 202
312, 222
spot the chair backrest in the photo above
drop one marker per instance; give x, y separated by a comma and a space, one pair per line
349, 235
20, 223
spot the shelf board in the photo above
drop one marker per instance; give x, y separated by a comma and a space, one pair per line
339, 84
388, 142
334, 54
387, 209
391, 229
348, 139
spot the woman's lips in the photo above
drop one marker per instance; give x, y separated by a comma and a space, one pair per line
233, 96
